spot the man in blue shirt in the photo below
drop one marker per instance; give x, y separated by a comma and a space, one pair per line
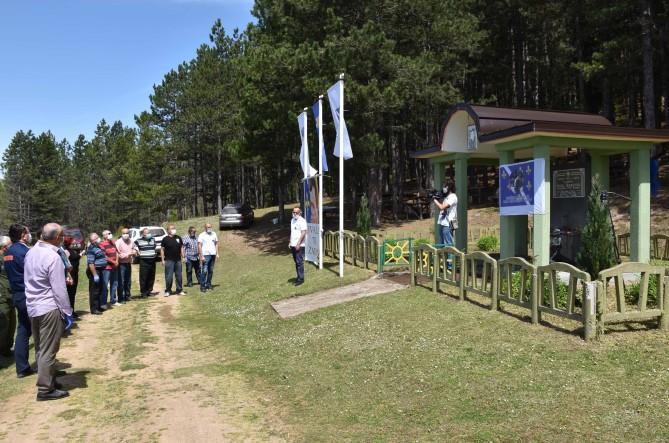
96, 261
14, 260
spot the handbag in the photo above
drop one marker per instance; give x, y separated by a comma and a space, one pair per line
454, 224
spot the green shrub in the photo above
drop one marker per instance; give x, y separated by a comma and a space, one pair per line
421, 241
633, 289
488, 243
596, 253
561, 294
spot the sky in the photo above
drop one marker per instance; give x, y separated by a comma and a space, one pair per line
67, 64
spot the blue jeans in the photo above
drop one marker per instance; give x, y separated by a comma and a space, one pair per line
207, 271
173, 269
23, 333
124, 281
445, 235
109, 285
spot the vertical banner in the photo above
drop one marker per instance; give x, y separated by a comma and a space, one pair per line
521, 188
311, 204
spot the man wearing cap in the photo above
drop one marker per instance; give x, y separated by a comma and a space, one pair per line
48, 307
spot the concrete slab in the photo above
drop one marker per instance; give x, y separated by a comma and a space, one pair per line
292, 307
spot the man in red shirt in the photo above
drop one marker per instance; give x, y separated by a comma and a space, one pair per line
110, 273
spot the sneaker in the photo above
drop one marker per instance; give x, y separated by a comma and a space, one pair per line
103, 307
116, 304
167, 293
182, 293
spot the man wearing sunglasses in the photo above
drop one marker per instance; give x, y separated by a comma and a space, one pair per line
298, 233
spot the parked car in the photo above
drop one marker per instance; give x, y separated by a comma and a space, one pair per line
236, 215
158, 233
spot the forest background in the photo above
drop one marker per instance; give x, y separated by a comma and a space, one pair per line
222, 127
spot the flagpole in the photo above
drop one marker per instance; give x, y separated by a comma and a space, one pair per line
306, 162
341, 175
320, 181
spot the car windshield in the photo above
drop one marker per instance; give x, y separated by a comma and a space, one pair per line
157, 232
231, 210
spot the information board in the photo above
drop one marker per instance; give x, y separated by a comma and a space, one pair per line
569, 183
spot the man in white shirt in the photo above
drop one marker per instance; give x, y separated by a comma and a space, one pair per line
207, 246
448, 215
298, 233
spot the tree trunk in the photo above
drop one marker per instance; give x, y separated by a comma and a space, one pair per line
374, 192
648, 72
280, 190
219, 180
395, 162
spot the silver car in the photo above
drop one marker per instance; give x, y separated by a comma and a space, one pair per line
236, 216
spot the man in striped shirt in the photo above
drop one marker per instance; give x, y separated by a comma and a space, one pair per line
146, 246
192, 257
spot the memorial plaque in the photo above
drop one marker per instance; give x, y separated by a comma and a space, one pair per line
569, 183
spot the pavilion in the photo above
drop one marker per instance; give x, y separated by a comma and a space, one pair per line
476, 135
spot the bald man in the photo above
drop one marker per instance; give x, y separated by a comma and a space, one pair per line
48, 307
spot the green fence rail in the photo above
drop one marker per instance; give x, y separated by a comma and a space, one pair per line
644, 303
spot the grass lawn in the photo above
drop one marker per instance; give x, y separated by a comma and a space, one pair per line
412, 366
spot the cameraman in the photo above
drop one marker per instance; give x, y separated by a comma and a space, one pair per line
449, 213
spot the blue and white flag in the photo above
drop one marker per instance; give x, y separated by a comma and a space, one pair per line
335, 105
319, 132
304, 150
521, 188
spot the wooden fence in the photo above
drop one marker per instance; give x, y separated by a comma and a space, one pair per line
575, 301
480, 276
518, 284
645, 304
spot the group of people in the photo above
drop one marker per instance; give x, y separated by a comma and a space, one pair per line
109, 264
38, 285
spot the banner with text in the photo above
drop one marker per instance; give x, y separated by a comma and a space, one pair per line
521, 188
313, 223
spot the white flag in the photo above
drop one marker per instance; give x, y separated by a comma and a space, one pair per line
333, 98
304, 151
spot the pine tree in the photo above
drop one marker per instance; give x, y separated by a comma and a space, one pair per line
364, 218
597, 248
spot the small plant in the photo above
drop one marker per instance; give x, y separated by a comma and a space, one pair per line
363, 217
421, 241
596, 253
561, 294
488, 243
633, 290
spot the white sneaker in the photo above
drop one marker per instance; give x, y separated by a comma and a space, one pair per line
167, 293
116, 304
104, 306
182, 293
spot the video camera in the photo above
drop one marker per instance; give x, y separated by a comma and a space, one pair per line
433, 193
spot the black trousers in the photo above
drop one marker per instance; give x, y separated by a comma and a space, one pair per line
298, 257
72, 289
94, 289
147, 275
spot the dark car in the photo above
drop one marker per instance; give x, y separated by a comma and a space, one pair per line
236, 216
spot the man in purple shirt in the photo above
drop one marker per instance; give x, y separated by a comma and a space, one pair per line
48, 305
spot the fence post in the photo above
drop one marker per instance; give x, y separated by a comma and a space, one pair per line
534, 301
435, 270
589, 310
664, 320
413, 272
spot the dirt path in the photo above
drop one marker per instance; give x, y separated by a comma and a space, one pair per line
135, 375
